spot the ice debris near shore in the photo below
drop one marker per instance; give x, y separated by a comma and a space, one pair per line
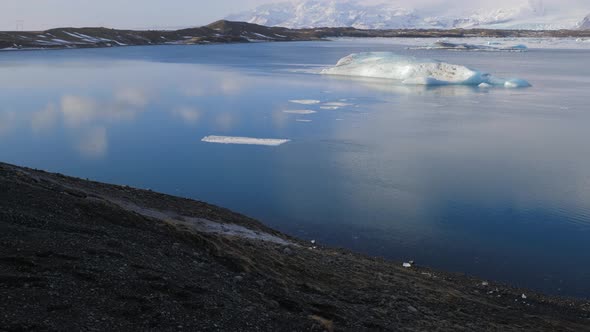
244, 140
414, 71
444, 45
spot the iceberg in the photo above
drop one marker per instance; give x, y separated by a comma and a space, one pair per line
244, 140
414, 71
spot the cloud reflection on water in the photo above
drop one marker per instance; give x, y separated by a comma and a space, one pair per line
93, 143
7, 122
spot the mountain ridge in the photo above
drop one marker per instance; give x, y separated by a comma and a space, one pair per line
224, 31
531, 14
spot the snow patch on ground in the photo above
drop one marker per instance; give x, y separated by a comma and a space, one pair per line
202, 225
244, 140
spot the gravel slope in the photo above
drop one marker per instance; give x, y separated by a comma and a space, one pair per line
80, 255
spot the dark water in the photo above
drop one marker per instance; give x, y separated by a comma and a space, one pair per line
493, 183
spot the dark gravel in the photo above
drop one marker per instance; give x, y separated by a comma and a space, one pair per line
74, 258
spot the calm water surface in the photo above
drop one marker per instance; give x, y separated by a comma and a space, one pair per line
493, 183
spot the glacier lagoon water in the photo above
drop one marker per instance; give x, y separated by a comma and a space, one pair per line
491, 182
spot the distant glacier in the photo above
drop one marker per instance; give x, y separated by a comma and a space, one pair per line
523, 14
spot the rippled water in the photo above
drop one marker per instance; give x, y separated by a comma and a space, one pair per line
494, 183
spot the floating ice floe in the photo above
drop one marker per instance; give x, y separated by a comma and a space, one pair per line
329, 107
244, 140
303, 120
300, 112
443, 45
337, 104
305, 101
415, 71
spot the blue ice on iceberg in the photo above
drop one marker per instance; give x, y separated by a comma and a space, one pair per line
415, 71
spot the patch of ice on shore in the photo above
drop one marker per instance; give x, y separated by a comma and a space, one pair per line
305, 101
415, 71
244, 140
303, 112
202, 225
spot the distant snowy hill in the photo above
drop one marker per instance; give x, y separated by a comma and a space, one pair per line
585, 23
523, 14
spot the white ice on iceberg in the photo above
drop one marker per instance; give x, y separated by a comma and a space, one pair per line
244, 140
415, 71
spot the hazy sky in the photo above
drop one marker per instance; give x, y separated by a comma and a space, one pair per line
42, 14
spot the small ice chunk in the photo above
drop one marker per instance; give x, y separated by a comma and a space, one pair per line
337, 104
305, 101
516, 83
300, 112
303, 120
485, 85
332, 108
485, 283
244, 140
407, 265
523, 296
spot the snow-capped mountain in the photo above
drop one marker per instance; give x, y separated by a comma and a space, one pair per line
396, 14
585, 23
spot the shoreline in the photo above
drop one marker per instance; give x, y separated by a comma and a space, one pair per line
79, 254
227, 32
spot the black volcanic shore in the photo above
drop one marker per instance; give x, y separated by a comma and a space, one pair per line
81, 255
235, 32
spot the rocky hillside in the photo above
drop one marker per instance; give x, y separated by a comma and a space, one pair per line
234, 32
77, 255
218, 32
